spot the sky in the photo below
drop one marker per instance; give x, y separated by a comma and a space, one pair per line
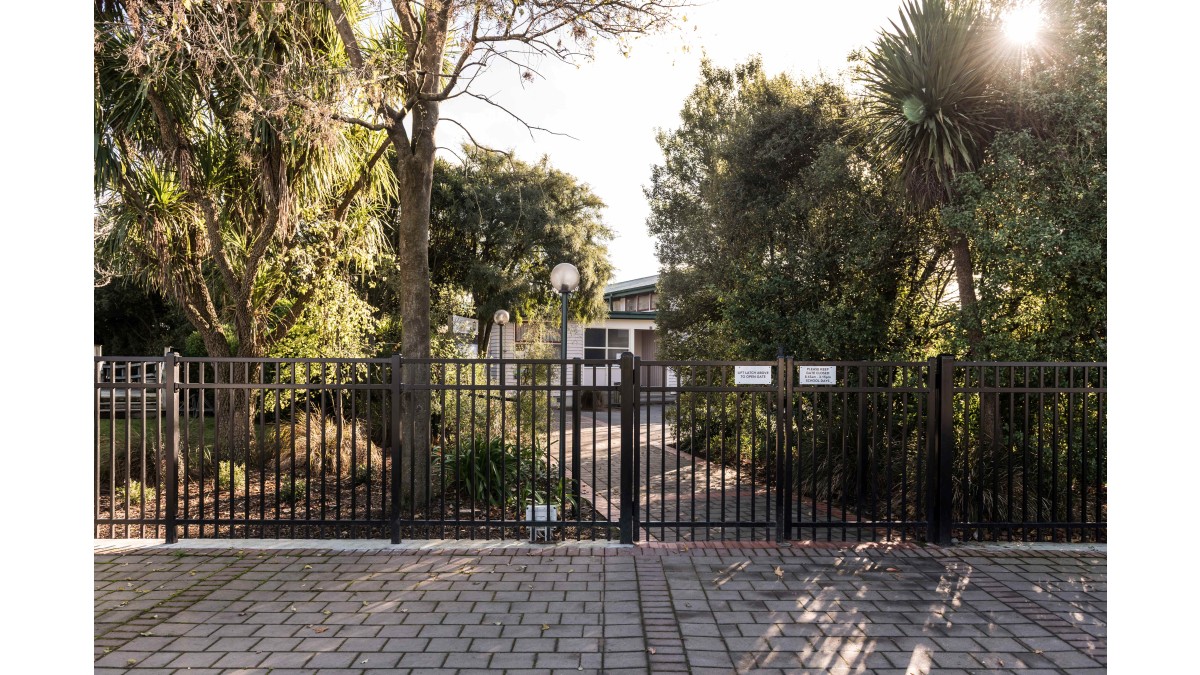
612, 106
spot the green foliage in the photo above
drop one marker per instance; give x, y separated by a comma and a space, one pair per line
227, 471
497, 227
291, 492
1036, 208
221, 179
928, 95
130, 320
776, 230
136, 492
498, 473
337, 323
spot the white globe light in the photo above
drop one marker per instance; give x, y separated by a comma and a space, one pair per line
500, 317
564, 277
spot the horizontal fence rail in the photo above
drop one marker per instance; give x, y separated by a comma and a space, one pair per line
552, 449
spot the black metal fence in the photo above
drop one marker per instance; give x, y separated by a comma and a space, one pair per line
599, 449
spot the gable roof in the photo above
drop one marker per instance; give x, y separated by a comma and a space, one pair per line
623, 287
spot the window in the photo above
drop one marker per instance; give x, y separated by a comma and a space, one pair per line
605, 343
618, 304
643, 302
531, 333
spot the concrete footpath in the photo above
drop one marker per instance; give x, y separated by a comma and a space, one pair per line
288, 607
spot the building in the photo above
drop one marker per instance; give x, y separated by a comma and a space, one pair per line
629, 327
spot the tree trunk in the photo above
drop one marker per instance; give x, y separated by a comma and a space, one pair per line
974, 453
414, 172
964, 270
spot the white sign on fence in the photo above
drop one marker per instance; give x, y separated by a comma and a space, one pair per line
752, 375
818, 375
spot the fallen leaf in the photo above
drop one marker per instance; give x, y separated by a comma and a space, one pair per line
893, 569
308, 567
496, 622
320, 629
545, 626
326, 612
779, 571
652, 650
146, 634
131, 662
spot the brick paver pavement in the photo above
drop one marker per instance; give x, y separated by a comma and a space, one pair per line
570, 608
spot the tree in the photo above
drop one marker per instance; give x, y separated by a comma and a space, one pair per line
776, 231
213, 185
133, 321
216, 190
1035, 209
425, 54
497, 224
930, 103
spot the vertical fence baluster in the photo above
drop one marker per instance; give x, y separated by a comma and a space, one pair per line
171, 395
628, 448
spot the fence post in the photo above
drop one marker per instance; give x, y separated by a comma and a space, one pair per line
394, 446
783, 478
862, 465
628, 447
170, 395
941, 449
576, 438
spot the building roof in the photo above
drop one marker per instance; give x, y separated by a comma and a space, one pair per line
643, 283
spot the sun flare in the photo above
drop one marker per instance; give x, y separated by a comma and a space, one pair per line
1022, 24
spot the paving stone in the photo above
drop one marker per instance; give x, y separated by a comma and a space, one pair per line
707, 609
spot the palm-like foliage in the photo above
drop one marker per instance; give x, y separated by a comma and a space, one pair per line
928, 96
221, 177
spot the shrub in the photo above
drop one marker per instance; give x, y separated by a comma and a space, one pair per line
362, 475
322, 453
135, 492
291, 491
499, 473
224, 474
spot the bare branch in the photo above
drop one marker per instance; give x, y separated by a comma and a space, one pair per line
462, 58
475, 142
529, 127
373, 126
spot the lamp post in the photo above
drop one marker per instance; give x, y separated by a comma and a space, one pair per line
500, 318
565, 279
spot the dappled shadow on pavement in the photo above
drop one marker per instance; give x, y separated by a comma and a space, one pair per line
701, 607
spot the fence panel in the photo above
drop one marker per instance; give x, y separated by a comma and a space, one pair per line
129, 448
705, 467
662, 450
283, 448
509, 436
858, 451
1031, 451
